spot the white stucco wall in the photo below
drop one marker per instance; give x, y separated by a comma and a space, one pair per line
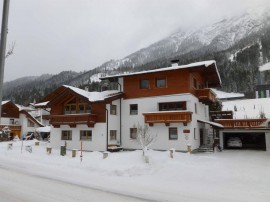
267, 140
6, 121
98, 142
150, 104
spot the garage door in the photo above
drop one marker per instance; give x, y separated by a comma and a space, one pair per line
250, 140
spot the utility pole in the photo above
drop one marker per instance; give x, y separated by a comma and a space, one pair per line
4, 31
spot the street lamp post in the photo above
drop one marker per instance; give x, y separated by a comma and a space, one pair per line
4, 31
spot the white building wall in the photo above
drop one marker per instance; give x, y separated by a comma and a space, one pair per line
98, 142
150, 104
6, 121
267, 141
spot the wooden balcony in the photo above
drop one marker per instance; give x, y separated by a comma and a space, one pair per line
73, 120
206, 96
242, 123
11, 127
168, 117
221, 115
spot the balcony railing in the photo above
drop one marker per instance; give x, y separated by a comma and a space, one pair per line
11, 127
168, 117
73, 119
206, 96
242, 123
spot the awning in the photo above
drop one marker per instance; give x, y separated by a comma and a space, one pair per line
213, 124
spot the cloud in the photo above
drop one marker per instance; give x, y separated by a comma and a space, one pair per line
52, 36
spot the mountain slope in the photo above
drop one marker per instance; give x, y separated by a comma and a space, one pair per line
239, 45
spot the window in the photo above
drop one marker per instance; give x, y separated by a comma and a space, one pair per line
112, 134
86, 135
133, 109
11, 121
30, 123
81, 108
76, 106
133, 133
161, 82
144, 84
87, 108
173, 135
66, 135
172, 106
113, 109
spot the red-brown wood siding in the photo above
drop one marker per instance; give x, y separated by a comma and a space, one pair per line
178, 81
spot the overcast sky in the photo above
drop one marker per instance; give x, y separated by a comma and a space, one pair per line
56, 35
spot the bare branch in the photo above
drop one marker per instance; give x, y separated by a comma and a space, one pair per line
10, 50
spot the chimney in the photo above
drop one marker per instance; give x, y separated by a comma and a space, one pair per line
174, 63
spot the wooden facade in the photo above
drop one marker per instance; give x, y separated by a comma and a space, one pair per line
206, 96
73, 119
242, 123
178, 81
10, 110
80, 109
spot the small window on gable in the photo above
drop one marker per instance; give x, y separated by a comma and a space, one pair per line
161, 82
87, 108
144, 84
133, 109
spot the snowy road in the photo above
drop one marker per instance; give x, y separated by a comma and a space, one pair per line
20, 187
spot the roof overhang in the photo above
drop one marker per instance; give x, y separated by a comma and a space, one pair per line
213, 124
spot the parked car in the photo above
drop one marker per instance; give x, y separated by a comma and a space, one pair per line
234, 142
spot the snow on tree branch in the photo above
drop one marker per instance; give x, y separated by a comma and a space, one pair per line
144, 137
10, 50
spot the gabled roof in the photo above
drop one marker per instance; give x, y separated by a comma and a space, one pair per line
208, 68
23, 110
105, 96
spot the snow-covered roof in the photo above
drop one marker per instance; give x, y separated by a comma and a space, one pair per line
94, 96
212, 123
248, 108
264, 67
196, 64
45, 129
226, 95
41, 104
5, 102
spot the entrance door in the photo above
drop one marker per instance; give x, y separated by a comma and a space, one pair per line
201, 136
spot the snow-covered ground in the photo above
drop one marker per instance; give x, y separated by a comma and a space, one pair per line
248, 108
232, 175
